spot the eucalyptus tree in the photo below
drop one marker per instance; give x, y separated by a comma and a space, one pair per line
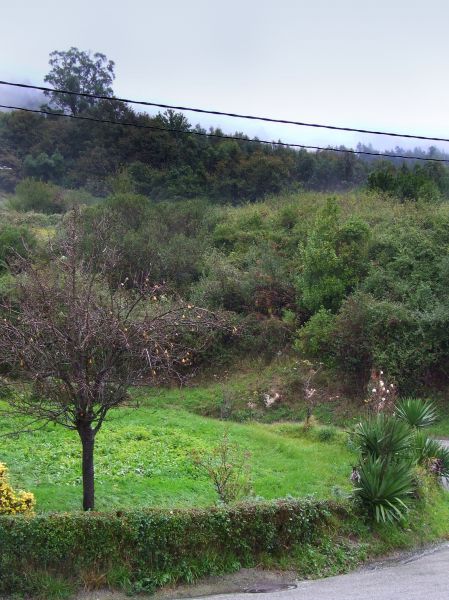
78, 71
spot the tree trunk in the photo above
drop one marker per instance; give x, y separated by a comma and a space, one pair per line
87, 436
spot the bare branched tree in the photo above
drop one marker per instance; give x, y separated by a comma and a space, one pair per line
76, 346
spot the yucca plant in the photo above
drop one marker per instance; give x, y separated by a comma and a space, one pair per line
416, 412
383, 437
431, 455
384, 487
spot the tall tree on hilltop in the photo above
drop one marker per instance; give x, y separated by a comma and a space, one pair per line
78, 71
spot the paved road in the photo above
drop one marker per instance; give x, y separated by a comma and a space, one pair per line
424, 577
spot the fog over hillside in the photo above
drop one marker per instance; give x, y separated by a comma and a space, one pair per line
12, 96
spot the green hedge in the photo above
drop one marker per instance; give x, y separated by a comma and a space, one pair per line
145, 549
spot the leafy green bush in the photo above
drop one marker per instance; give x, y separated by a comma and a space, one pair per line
32, 195
315, 338
415, 183
223, 285
335, 259
263, 337
44, 167
416, 412
367, 332
384, 487
383, 437
349, 343
161, 242
147, 549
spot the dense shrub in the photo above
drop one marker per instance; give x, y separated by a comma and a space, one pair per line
416, 183
394, 337
264, 337
14, 240
152, 548
366, 332
223, 285
334, 259
161, 242
314, 339
44, 167
33, 195
340, 341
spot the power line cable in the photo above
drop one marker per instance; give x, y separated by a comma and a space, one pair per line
222, 136
227, 114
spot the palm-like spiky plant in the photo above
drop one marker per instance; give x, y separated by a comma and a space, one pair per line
384, 487
431, 454
383, 437
416, 412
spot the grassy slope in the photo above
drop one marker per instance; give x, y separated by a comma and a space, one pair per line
241, 396
143, 458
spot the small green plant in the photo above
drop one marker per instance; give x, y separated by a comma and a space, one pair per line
226, 404
41, 584
416, 412
383, 488
228, 468
431, 455
309, 391
326, 434
383, 437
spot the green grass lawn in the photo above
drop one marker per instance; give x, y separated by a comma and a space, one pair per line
441, 427
143, 458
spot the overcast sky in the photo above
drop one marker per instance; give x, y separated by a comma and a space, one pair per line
379, 64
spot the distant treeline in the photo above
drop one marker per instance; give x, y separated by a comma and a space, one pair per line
173, 166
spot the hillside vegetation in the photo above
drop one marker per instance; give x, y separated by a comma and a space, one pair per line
228, 353
356, 281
